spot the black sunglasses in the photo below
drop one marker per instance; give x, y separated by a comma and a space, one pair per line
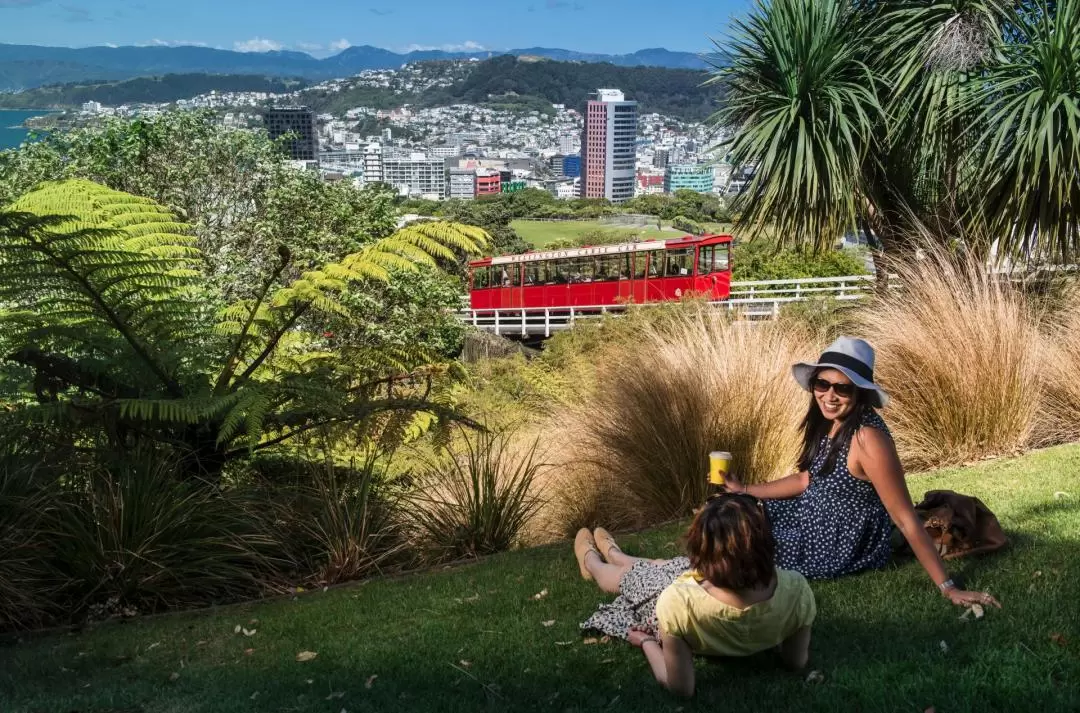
822, 386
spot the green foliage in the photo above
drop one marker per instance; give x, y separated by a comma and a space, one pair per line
479, 499
155, 90
683, 223
116, 330
950, 121
234, 187
1029, 145
137, 540
802, 101
698, 207
762, 260
674, 92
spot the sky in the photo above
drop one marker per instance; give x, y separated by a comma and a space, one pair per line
324, 27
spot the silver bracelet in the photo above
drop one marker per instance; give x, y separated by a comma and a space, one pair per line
947, 585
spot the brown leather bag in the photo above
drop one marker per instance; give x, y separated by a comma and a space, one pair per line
960, 525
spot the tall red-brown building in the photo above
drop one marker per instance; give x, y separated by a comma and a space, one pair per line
608, 146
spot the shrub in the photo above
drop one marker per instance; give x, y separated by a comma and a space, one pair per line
958, 352
477, 496
680, 389
28, 585
681, 222
338, 524
1059, 409
135, 539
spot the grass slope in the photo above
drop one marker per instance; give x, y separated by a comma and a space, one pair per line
473, 637
541, 233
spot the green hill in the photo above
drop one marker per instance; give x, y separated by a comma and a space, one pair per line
166, 88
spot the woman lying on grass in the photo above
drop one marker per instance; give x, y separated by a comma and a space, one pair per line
726, 599
834, 517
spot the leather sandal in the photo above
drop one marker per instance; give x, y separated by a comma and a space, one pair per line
583, 545
605, 542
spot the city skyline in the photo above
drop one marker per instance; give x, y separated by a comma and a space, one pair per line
326, 27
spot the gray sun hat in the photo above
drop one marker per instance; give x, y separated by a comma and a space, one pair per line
854, 358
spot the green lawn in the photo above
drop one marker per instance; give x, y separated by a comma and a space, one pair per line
540, 233
472, 638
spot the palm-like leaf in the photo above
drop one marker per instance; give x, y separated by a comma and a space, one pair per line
1028, 154
803, 105
88, 270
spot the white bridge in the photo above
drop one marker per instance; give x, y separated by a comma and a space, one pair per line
749, 300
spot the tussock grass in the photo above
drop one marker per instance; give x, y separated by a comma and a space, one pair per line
694, 383
1059, 407
958, 352
476, 496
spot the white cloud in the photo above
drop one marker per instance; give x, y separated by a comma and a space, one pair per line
257, 44
170, 43
339, 45
309, 46
466, 46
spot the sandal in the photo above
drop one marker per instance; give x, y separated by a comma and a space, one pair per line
583, 545
605, 542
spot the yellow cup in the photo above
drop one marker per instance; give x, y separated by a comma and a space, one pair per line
719, 464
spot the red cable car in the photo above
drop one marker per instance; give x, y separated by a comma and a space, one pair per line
650, 271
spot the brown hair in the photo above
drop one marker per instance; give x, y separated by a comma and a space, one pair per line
730, 543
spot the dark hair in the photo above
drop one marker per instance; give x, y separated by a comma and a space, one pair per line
815, 427
731, 544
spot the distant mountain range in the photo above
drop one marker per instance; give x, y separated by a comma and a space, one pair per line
29, 66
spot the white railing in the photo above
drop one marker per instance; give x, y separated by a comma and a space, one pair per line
751, 300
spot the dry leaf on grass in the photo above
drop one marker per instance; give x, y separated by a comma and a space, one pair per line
975, 610
931, 709
944, 647
237, 629
815, 676
306, 656
564, 643
248, 652
464, 664
249, 632
1058, 639
590, 640
605, 639
549, 622
153, 646
540, 595
336, 695
174, 676
254, 695
370, 681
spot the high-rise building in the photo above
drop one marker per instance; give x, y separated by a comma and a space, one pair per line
660, 158
608, 146
568, 143
417, 176
488, 182
694, 177
571, 166
461, 183
299, 122
373, 157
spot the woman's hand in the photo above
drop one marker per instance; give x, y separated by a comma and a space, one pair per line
963, 598
732, 484
639, 635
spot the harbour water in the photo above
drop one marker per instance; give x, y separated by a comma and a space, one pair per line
12, 132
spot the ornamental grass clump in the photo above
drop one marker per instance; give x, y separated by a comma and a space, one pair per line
1059, 408
958, 352
695, 383
475, 496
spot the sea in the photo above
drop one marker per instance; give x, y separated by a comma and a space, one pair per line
12, 132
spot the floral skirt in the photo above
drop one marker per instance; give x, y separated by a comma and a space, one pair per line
636, 604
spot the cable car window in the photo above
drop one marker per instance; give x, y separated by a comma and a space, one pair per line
656, 263
680, 262
480, 278
534, 273
610, 267
705, 259
640, 259
722, 263
515, 274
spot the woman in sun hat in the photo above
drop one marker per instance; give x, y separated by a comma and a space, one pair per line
834, 516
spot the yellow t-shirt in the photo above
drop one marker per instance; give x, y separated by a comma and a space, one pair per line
712, 628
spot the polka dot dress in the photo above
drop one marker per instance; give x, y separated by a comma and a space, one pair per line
838, 525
